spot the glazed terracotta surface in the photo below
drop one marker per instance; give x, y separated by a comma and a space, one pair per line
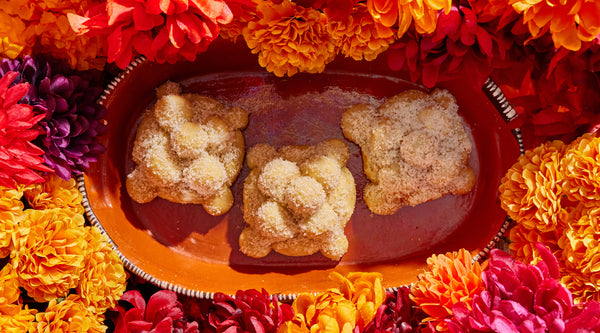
184, 246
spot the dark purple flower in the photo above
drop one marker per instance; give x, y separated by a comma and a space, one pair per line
397, 314
523, 298
73, 118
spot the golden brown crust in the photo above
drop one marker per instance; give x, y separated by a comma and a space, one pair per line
188, 149
414, 148
297, 200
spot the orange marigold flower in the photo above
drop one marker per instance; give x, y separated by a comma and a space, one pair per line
290, 38
49, 252
15, 40
569, 21
365, 290
581, 170
423, 12
243, 12
523, 240
9, 291
103, 279
55, 193
360, 37
42, 27
450, 279
20, 322
580, 260
529, 191
69, 315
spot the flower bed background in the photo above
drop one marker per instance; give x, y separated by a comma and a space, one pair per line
59, 273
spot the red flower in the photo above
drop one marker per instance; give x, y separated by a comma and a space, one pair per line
162, 314
19, 158
459, 44
251, 311
161, 30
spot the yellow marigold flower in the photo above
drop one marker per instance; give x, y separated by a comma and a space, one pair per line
20, 322
361, 37
55, 193
529, 191
10, 206
9, 291
103, 278
69, 315
580, 260
581, 170
10, 198
49, 251
327, 312
569, 21
522, 243
424, 13
365, 290
450, 278
8, 223
290, 38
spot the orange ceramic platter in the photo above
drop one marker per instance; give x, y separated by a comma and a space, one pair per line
182, 248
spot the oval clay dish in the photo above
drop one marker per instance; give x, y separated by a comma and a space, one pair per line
182, 248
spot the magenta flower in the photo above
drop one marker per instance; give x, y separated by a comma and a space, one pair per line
250, 311
523, 298
162, 314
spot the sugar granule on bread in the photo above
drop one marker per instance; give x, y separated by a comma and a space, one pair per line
297, 200
414, 148
188, 149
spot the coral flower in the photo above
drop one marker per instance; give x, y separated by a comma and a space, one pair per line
360, 37
55, 193
69, 315
450, 278
49, 252
19, 158
103, 279
423, 13
529, 192
569, 22
290, 38
581, 169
